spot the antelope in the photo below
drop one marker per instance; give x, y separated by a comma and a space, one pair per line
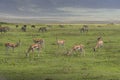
42, 29
33, 47
40, 41
32, 26
4, 29
12, 45
17, 26
75, 48
60, 43
84, 28
99, 43
23, 28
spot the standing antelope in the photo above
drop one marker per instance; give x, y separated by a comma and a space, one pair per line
32, 47
24, 28
60, 43
40, 41
75, 48
99, 43
84, 28
11, 45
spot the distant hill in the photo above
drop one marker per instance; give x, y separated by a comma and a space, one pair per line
45, 21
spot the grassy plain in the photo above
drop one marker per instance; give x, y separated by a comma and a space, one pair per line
52, 64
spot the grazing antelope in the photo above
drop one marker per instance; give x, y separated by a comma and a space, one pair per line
61, 26
17, 26
75, 48
33, 47
99, 43
42, 29
32, 26
11, 45
40, 41
4, 29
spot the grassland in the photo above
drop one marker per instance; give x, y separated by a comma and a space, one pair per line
52, 64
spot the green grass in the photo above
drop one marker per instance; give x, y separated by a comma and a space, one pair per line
52, 64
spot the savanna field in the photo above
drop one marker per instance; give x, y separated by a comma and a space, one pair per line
53, 64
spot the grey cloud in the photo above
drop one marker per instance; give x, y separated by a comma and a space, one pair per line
65, 9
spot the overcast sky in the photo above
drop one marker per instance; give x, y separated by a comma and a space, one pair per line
66, 10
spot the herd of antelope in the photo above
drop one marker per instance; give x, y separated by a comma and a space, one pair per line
40, 43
